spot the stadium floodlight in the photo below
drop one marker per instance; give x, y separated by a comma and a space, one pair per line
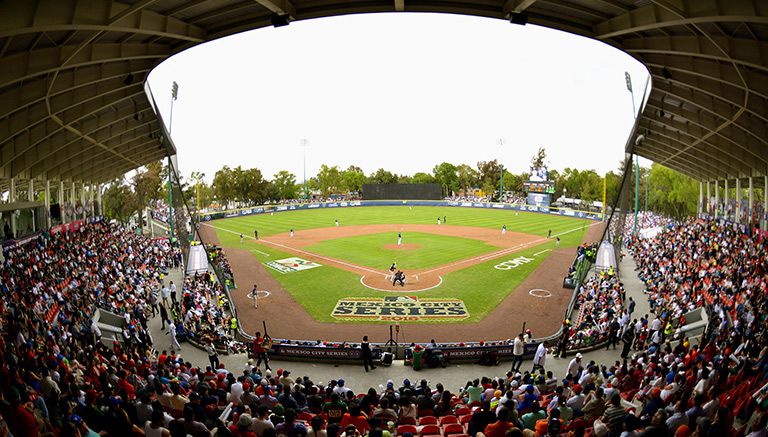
520, 18
279, 20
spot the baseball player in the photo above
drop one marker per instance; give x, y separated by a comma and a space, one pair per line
241, 238
399, 238
503, 229
337, 223
438, 220
256, 234
291, 232
255, 295
392, 269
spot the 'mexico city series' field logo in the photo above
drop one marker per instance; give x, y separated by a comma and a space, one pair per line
400, 308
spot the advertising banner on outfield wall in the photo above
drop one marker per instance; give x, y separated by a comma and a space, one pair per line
413, 203
399, 308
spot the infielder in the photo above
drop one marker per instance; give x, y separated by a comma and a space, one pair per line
438, 220
337, 223
291, 232
399, 238
503, 229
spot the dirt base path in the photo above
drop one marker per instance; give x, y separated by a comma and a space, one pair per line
286, 318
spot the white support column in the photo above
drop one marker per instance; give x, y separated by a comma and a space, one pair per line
725, 199
61, 202
765, 200
98, 199
73, 201
717, 199
738, 200
93, 205
82, 201
12, 199
31, 198
701, 197
47, 204
751, 198
709, 198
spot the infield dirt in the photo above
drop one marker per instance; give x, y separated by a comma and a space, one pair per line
286, 318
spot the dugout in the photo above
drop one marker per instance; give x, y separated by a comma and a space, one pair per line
402, 191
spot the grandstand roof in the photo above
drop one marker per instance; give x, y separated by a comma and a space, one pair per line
73, 107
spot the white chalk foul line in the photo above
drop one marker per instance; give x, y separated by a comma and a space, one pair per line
306, 253
498, 253
541, 251
237, 233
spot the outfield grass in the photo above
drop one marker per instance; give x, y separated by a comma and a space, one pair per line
480, 286
369, 250
526, 222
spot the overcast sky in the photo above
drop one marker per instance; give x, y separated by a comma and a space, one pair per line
399, 91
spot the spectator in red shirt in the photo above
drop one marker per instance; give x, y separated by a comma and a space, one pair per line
500, 427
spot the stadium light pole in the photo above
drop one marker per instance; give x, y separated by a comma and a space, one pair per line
304, 146
647, 180
628, 78
174, 96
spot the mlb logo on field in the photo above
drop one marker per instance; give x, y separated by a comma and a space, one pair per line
401, 299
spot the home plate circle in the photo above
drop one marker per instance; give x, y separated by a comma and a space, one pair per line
261, 294
540, 292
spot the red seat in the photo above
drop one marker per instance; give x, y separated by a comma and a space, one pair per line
428, 420
407, 428
453, 428
427, 412
407, 421
430, 430
445, 420
305, 416
462, 411
465, 418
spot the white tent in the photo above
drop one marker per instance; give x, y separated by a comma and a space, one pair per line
606, 256
197, 262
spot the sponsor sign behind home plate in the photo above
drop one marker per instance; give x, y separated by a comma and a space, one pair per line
290, 265
399, 308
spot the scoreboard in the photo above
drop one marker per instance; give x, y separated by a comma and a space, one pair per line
545, 187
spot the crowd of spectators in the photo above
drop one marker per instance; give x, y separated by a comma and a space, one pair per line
599, 311
58, 378
205, 314
218, 258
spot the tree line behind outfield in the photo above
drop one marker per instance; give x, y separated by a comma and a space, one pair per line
669, 192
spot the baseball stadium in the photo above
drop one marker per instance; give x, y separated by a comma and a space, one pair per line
200, 279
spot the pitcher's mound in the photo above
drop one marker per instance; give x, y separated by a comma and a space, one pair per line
404, 246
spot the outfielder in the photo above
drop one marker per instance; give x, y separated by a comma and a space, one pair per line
291, 232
